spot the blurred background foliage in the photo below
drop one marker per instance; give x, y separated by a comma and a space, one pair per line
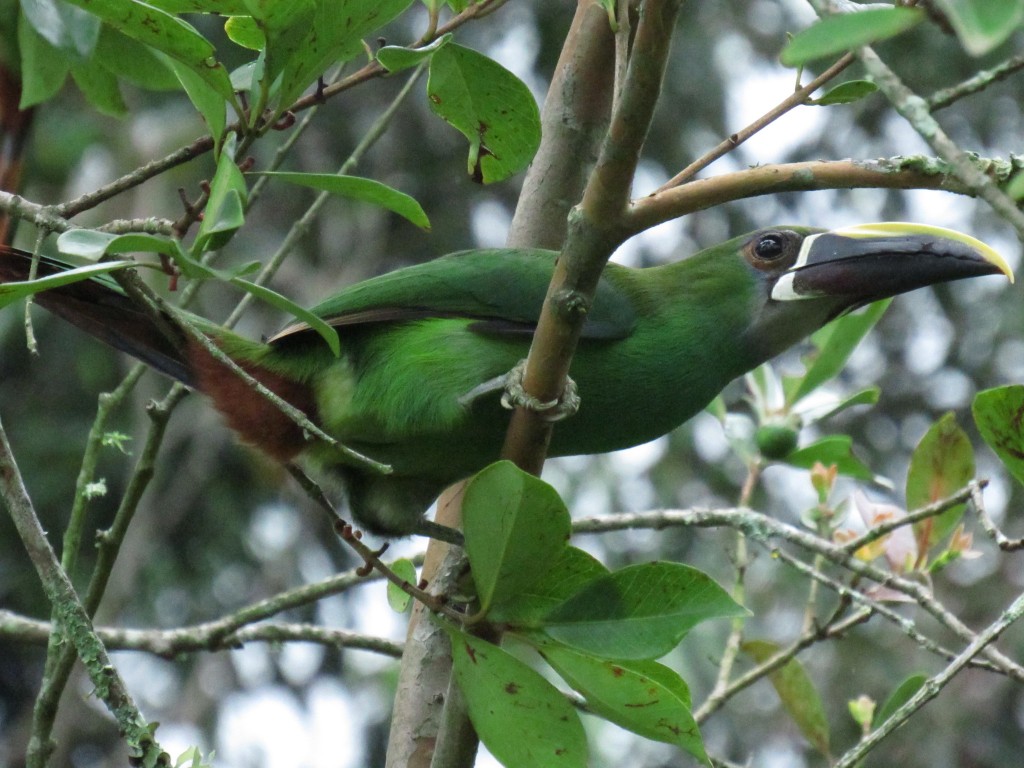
221, 527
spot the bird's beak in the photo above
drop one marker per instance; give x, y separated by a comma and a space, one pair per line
873, 261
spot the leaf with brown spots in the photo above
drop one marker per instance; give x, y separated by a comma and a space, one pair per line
797, 692
999, 414
642, 696
942, 464
519, 716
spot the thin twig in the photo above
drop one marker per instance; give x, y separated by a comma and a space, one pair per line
764, 528
934, 685
798, 97
72, 616
988, 525
970, 492
904, 624
976, 83
169, 643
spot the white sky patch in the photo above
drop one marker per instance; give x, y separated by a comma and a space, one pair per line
517, 50
753, 91
264, 727
490, 222
337, 726
928, 344
709, 438
252, 664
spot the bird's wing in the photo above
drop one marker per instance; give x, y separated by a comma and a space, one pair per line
501, 290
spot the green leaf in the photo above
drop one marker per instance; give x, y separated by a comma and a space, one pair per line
340, 27
942, 463
395, 58
982, 25
515, 526
135, 62
639, 612
833, 346
206, 99
999, 414
160, 30
219, 7
845, 31
572, 569
244, 31
357, 188
70, 30
867, 396
845, 93
99, 86
797, 692
642, 696
11, 292
398, 598
225, 208
903, 693
43, 68
275, 299
488, 105
834, 449
287, 26
520, 717
94, 245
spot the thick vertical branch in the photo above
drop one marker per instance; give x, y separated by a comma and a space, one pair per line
595, 230
573, 121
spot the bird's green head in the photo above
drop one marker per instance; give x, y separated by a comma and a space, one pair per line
806, 277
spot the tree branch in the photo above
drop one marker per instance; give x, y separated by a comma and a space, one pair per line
73, 618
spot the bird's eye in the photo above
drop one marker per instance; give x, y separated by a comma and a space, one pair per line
770, 247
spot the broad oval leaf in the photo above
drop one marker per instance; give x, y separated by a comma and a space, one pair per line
516, 526
999, 414
797, 692
357, 188
640, 695
520, 717
982, 25
570, 572
638, 612
942, 463
488, 105
845, 31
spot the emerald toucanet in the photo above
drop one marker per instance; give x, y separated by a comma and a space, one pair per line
425, 349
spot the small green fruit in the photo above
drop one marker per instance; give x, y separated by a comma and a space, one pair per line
776, 441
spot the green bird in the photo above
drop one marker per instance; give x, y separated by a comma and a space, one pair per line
427, 350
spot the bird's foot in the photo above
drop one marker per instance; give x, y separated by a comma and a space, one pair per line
515, 396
